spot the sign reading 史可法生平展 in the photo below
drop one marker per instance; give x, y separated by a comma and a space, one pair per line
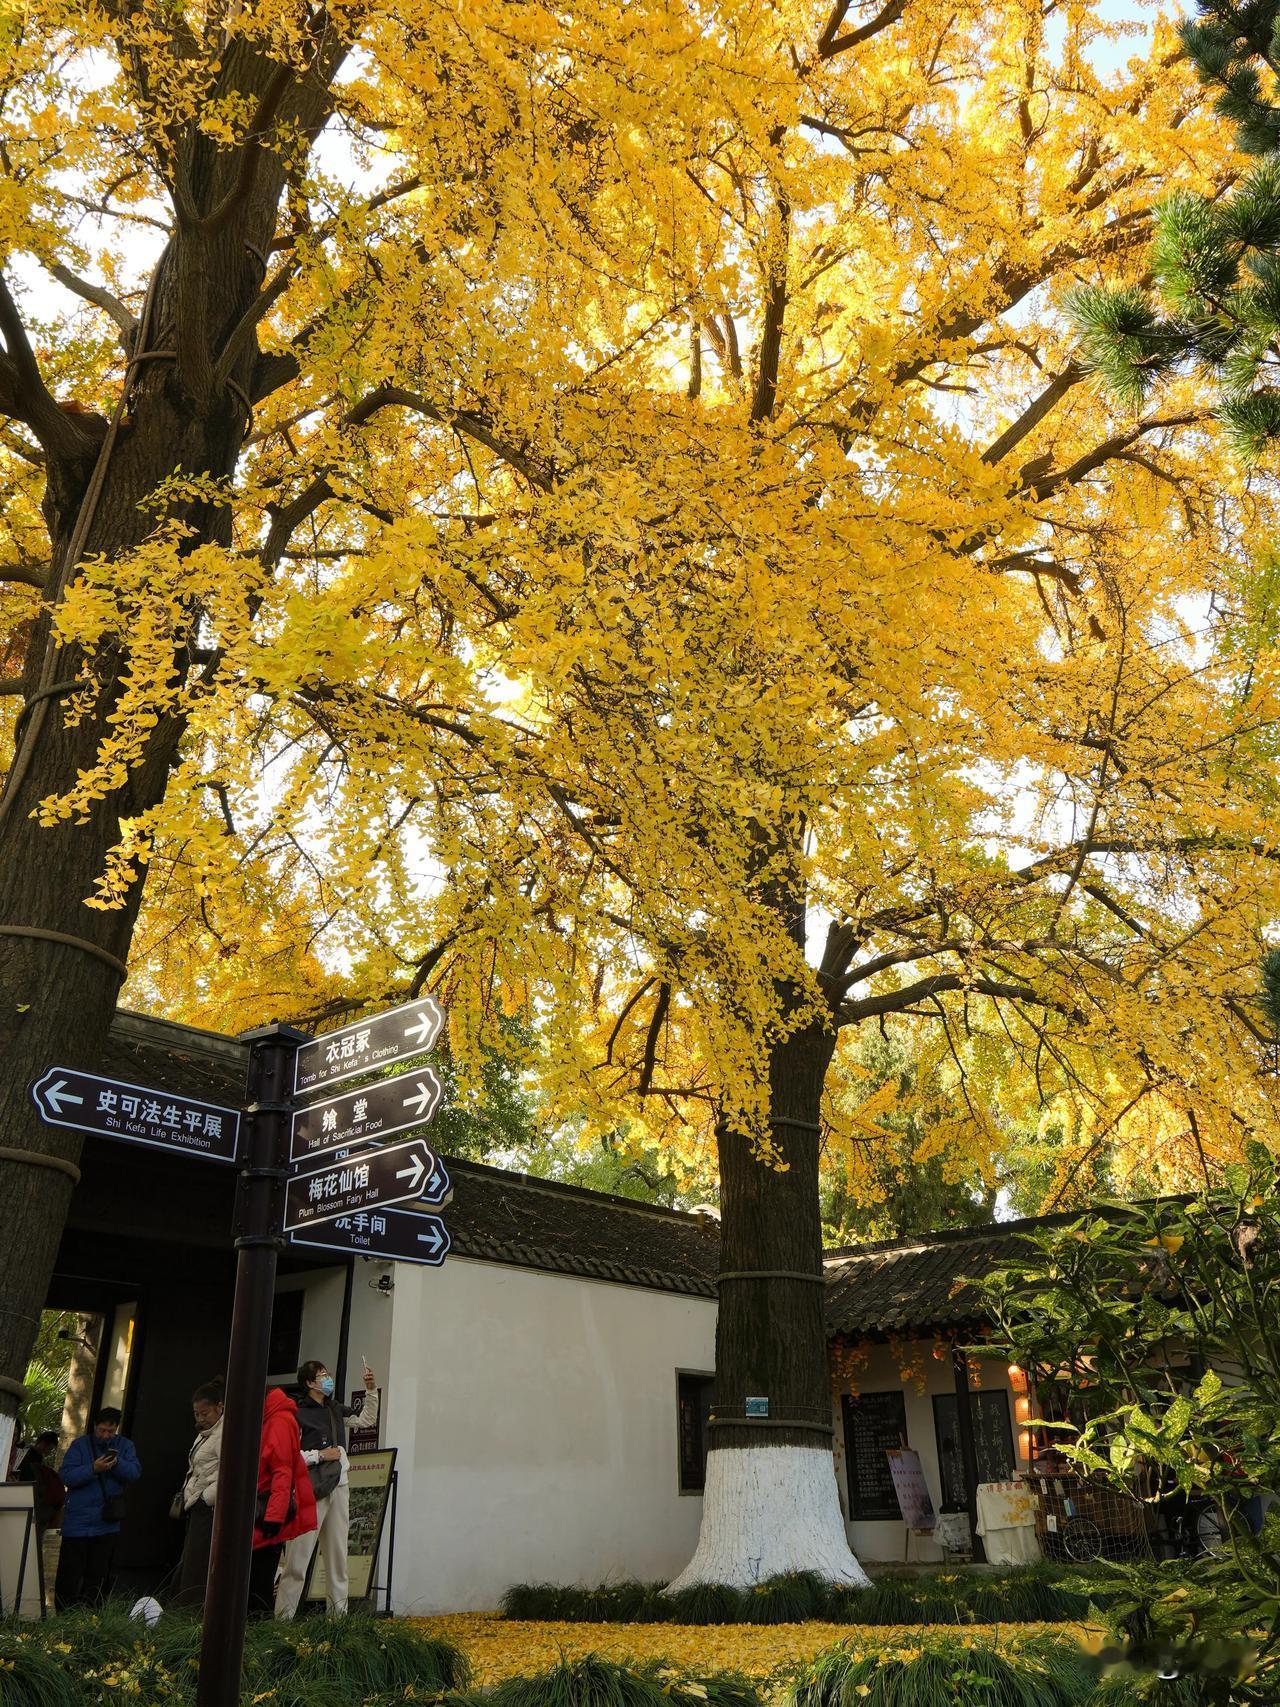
137, 1114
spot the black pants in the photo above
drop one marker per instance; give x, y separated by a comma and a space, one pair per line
194, 1570
84, 1570
262, 1578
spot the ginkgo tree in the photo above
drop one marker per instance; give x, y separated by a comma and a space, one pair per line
598, 513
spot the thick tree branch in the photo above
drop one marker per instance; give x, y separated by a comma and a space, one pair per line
101, 298
23, 393
1044, 486
1033, 414
830, 43
910, 995
24, 574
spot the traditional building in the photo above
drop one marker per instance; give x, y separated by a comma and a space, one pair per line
546, 1390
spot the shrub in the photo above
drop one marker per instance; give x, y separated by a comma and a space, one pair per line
32, 1677
788, 1599
708, 1603
596, 1682
946, 1671
358, 1656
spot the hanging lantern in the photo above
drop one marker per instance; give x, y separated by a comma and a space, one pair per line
1017, 1378
1024, 1444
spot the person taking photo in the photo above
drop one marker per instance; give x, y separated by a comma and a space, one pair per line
322, 1420
96, 1471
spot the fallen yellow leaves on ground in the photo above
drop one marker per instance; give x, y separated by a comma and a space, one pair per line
499, 1647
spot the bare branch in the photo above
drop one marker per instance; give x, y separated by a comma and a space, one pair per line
25, 574
831, 44
1033, 414
23, 393
101, 298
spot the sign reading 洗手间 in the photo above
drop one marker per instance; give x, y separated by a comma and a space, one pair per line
364, 1046
137, 1114
394, 1235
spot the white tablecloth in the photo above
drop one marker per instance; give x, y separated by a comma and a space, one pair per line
1007, 1523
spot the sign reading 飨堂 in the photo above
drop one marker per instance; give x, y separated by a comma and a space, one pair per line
137, 1114
367, 1044
360, 1117
371, 1180
395, 1235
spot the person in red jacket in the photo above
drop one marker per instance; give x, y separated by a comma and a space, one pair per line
286, 1504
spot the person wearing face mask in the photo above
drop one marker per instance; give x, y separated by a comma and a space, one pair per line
322, 1420
194, 1501
96, 1470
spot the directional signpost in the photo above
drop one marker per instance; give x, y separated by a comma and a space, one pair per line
368, 1044
137, 1114
394, 1235
371, 1180
359, 1117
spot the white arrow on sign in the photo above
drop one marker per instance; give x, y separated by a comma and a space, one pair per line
432, 1238
57, 1093
420, 1030
422, 1097
415, 1174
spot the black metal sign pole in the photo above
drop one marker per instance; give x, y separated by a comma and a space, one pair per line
259, 1206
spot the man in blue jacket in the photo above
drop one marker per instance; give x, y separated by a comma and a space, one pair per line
96, 1471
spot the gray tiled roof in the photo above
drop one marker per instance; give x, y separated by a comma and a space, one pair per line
498, 1216
918, 1283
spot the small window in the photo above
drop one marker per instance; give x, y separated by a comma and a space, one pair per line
693, 1410
875, 1424
992, 1443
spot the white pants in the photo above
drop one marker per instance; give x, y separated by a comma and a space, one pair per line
331, 1534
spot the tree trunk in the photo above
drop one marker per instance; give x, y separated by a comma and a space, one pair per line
56, 999
771, 1504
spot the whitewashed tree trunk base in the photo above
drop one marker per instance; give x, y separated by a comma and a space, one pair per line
768, 1510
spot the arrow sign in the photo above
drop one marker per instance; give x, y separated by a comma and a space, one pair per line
359, 1117
379, 1041
353, 1184
396, 1235
136, 1114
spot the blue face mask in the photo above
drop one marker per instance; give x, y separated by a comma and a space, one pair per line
325, 1384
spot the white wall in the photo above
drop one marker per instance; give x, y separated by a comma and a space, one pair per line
371, 1313
882, 1541
535, 1416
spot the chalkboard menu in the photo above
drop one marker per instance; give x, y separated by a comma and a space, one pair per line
874, 1425
992, 1443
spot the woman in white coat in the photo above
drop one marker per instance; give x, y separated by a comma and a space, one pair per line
198, 1491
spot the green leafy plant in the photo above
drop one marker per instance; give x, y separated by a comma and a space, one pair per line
30, 1676
595, 1682
946, 1671
1136, 1309
1216, 263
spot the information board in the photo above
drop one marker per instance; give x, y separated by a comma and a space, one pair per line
911, 1489
875, 1424
368, 1490
992, 1442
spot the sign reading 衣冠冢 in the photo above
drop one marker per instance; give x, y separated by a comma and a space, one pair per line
367, 1044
